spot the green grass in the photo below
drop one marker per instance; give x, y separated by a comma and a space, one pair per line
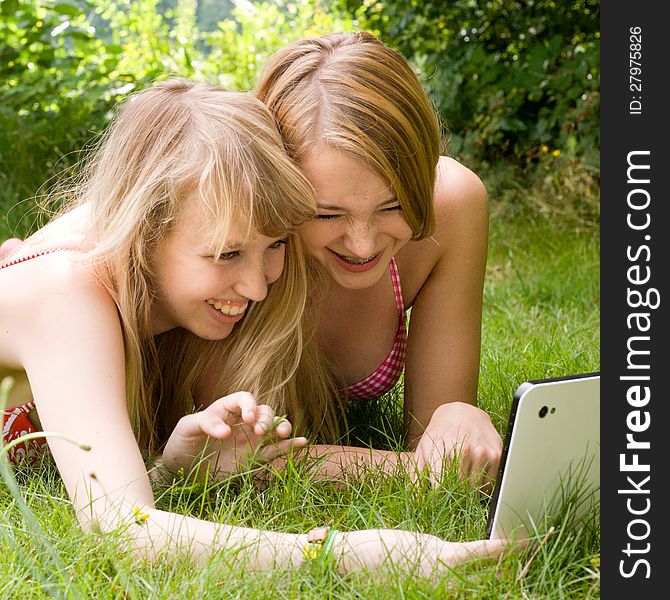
541, 319
541, 306
93, 566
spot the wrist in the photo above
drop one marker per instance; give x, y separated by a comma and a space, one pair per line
456, 412
160, 473
322, 545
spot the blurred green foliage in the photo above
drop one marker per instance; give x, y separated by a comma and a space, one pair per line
240, 45
52, 88
514, 81
59, 77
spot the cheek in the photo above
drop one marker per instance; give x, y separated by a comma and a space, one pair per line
275, 266
177, 279
316, 235
312, 237
404, 232
398, 229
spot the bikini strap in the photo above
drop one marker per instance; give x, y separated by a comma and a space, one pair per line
16, 261
397, 290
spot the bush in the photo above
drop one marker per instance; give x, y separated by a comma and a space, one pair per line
509, 76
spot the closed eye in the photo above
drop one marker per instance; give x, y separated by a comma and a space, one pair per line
392, 208
326, 217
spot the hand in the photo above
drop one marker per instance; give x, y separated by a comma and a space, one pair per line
232, 434
374, 548
462, 431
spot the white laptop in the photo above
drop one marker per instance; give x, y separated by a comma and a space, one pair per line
550, 465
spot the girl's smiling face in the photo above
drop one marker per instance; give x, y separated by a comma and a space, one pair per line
204, 292
360, 225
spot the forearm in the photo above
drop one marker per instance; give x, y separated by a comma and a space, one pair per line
153, 533
329, 461
326, 461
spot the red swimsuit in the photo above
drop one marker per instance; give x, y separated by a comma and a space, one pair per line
15, 421
387, 374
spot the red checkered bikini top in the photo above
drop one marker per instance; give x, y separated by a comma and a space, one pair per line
388, 373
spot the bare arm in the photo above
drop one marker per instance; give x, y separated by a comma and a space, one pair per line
8, 247
443, 348
335, 462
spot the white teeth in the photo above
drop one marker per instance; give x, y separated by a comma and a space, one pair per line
227, 309
356, 261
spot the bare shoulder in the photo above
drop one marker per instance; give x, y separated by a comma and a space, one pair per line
459, 193
461, 211
54, 272
47, 297
461, 231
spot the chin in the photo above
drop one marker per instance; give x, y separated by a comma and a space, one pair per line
357, 281
212, 335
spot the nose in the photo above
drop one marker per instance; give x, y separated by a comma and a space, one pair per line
253, 282
360, 239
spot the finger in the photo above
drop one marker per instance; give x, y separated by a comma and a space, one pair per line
195, 425
483, 468
416, 465
488, 478
474, 465
265, 418
492, 468
214, 426
469, 469
420, 460
463, 458
240, 405
282, 427
435, 469
220, 408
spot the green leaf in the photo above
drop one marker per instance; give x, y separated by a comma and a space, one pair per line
68, 9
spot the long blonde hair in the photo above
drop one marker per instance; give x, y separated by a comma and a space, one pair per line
170, 141
352, 92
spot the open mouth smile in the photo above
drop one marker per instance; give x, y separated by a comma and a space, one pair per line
354, 260
228, 308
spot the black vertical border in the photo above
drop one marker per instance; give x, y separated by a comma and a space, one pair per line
621, 133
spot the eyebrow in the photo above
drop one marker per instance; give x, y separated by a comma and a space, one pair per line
389, 202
